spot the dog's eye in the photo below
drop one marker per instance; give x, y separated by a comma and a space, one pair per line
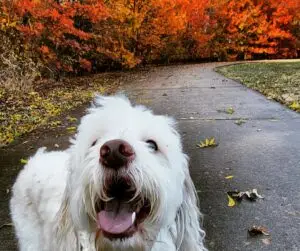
152, 144
94, 143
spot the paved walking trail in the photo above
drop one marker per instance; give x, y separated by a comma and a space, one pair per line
262, 153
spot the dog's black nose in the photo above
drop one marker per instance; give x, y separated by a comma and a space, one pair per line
116, 153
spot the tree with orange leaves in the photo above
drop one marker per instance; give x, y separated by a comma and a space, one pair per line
57, 32
76, 36
253, 29
143, 28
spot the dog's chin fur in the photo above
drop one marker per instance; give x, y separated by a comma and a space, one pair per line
54, 203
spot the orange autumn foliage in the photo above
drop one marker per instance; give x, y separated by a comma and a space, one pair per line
142, 28
52, 27
88, 35
253, 28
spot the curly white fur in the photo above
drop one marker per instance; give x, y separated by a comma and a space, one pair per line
53, 203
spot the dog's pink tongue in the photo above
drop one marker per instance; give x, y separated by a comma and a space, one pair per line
116, 218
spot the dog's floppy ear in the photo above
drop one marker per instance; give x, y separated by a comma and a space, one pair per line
189, 234
64, 230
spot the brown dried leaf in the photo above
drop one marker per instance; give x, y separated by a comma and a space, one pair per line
258, 230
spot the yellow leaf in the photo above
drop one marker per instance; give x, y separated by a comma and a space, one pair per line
24, 161
71, 119
295, 105
201, 145
208, 142
230, 110
71, 128
229, 177
231, 202
239, 122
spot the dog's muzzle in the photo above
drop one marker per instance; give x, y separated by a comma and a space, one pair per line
121, 216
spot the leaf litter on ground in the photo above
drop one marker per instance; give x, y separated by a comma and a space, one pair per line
24, 111
208, 142
258, 230
24, 161
240, 122
234, 196
72, 128
71, 119
231, 202
228, 110
295, 106
250, 195
278, 81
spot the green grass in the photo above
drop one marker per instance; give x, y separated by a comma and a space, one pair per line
276, 80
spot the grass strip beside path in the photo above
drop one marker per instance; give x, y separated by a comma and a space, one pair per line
276, 80
23, 111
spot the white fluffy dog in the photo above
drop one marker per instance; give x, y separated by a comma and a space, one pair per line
124, 184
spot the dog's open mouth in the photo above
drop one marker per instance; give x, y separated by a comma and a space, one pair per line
122, 216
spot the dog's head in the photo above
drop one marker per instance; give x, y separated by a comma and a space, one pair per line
128, 173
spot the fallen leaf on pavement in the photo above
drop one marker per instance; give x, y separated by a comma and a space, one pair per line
230, 110
208, 142
257, 230
240, 122
250, 195
229, 177
231, 202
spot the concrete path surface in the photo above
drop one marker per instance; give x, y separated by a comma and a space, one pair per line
262, 153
